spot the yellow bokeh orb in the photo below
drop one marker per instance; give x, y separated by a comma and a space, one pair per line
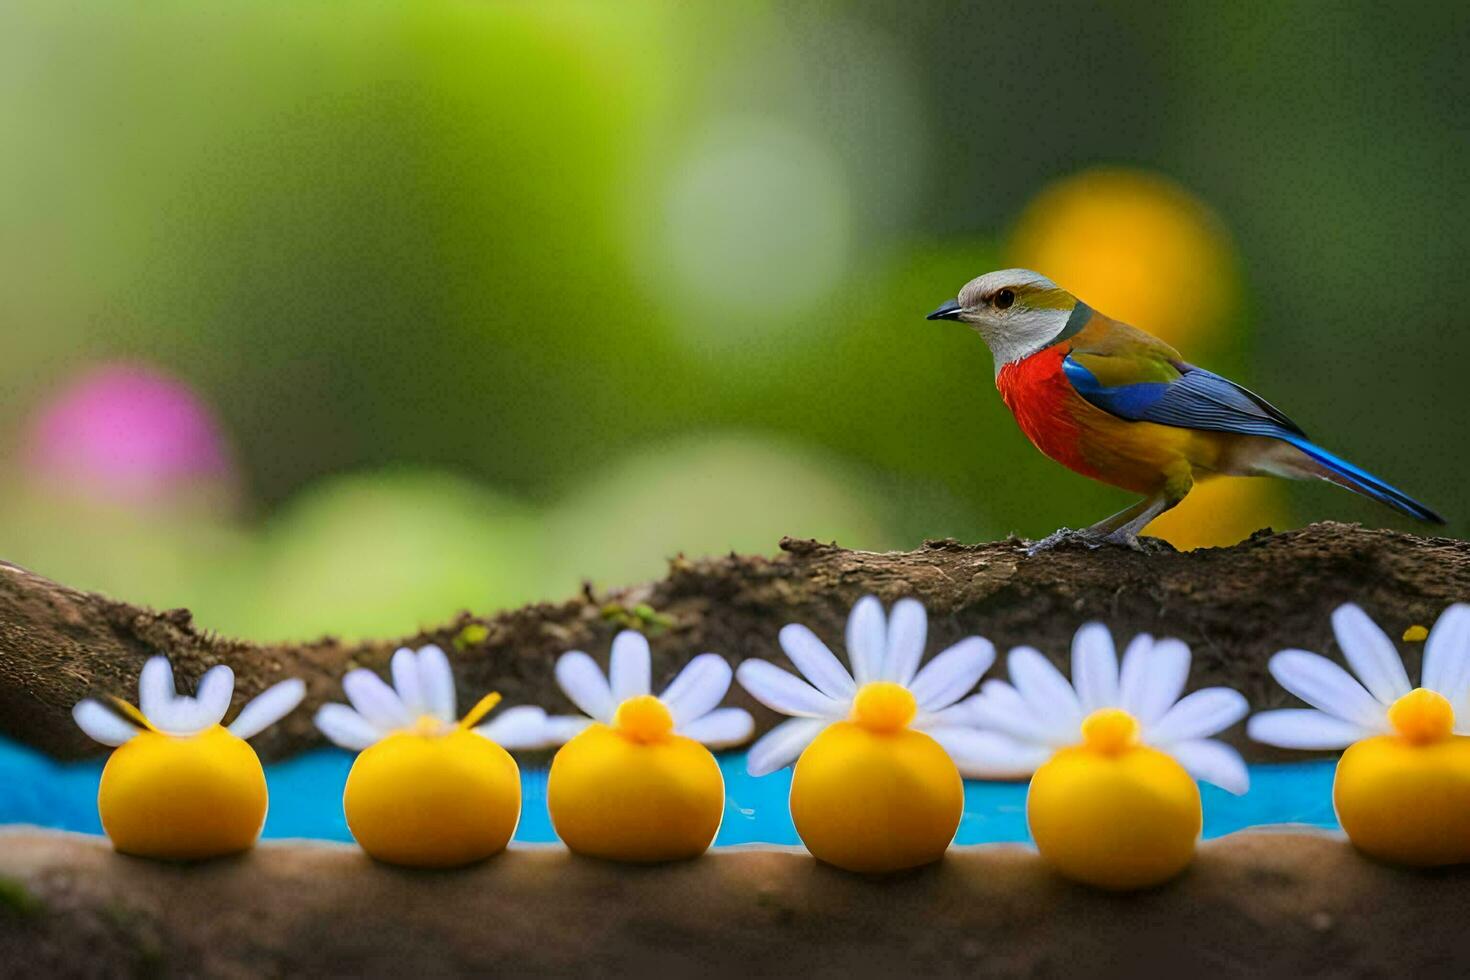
636, 793
1405, 797
1135, 246
875, 801
1114, 813
433, 800
183, 797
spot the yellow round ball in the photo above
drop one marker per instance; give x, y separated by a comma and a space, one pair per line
1406, 803
616, 797
1119, 821
433, 801
183, 798
876, 801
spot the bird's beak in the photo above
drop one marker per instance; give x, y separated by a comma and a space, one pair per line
949, 310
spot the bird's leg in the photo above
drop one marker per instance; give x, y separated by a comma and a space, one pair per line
1122, 518
1095, 536
1123, 527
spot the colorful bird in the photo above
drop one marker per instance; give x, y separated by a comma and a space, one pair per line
1114, 403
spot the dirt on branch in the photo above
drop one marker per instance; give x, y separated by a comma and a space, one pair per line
1234, 606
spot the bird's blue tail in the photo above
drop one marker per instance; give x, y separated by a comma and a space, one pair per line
1359, 480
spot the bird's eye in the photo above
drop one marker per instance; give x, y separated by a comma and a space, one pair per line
1004, 299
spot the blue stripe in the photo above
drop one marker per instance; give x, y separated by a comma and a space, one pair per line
1126, 401
1366, 483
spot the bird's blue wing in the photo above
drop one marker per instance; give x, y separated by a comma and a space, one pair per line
1197, 399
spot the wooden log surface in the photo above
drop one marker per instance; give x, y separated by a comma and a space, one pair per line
1254, 904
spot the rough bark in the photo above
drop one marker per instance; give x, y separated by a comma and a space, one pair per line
1253, 905
1234, 606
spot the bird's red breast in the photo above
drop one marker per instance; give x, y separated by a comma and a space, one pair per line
1041, 398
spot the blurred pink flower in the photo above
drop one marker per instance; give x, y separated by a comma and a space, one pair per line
129, 434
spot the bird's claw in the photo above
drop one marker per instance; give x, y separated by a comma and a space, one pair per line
1092, 540
1120, 539
1064, 537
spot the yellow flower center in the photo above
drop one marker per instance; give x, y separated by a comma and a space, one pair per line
1109, 731
432, 726
427, 726
1422, 716
643, 719
883, 706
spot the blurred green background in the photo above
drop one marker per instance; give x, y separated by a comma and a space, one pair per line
323, 316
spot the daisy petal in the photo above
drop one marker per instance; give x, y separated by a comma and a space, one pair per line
581, 680
268, 707
405, 670
378, 703
1132, 666
436, 684
1370, 653
179, 717
1214, 762
780, 746
1447, 654
1199, 715
630, 667
1000, 708
190, 716
867, 640
908, 628
988, 755
212, 697
954, 715
698, 688
563, 728
1153, 677
100, 724
721, 728
156, 691
1326, 686
345, 727
952, 674
783, 692
816, 662
1094, 668
1303, 728
521, 727
1044, 689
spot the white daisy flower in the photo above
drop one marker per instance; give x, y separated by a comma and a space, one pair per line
1343, 710
885, 656
421, 700
691, 701
1026, 720
162, 709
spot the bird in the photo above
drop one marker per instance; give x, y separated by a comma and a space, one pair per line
1119, 405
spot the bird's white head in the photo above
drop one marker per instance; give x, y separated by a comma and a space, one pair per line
1016, 312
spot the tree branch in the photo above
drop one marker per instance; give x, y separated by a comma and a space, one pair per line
1234, 606
1253, 906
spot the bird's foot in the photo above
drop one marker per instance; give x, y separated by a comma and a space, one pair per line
1065, 537
1092, 540
1122, 538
